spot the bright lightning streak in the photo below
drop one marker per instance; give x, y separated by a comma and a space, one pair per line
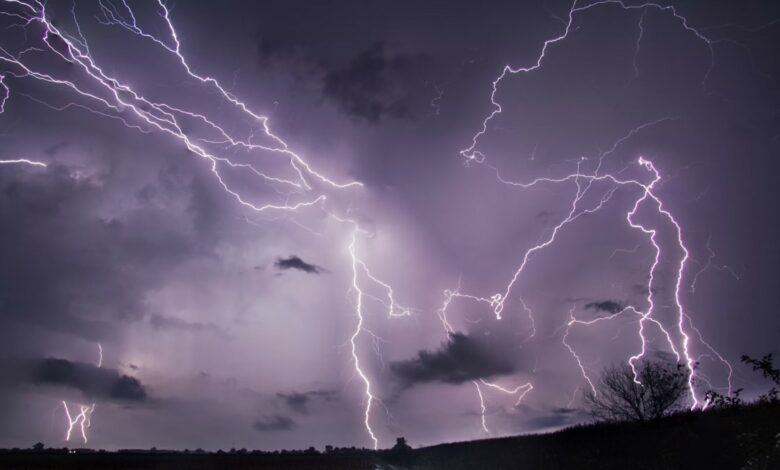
360, 270
98, 88
84, 417
119, 98
22, 161
358, 328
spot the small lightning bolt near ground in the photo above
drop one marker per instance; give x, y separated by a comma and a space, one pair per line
82, 419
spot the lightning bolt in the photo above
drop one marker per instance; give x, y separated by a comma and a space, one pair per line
83, 419
360, 273
22, 161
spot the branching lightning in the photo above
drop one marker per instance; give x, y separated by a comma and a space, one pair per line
647, 195
105, 95
118, 99
100, 93
361, 272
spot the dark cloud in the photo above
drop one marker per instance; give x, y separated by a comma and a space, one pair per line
609, 306
92, 381
375, 84
300, 402
274, 423
294, 262
460, 358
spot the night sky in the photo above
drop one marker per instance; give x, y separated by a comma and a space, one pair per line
224, 326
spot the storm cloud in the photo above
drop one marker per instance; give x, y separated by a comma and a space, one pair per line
375, 84
609, 306
294, 262
300, 402
461, 358
92, 381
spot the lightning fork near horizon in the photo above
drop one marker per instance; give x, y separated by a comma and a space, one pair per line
82, 419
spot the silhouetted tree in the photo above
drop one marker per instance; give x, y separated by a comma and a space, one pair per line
768, 370
658, 389
717, 400
38, 446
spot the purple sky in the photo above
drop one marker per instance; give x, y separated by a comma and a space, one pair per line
222, 326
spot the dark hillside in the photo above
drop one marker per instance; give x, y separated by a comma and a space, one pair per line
723, 439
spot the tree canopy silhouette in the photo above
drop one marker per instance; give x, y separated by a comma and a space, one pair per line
659, 389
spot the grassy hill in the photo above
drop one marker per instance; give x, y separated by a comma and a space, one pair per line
739, 438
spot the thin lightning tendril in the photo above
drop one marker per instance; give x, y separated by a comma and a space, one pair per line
520, 391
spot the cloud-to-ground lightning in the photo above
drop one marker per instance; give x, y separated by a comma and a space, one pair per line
472, 154
360, 273
82, 419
